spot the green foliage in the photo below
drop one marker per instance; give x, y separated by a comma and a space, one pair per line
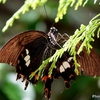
25, 8
3, 1
64, 5
62, 9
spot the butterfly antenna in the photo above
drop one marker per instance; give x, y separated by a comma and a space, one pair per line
47, 15
46, 12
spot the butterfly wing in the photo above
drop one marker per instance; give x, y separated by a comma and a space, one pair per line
24, 52
89, 63
13, 48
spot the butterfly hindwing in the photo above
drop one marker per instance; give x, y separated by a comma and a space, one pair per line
66, 66
89, 63
47, 79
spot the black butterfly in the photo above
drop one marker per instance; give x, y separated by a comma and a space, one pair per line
27, 50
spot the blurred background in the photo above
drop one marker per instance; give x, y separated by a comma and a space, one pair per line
83, 88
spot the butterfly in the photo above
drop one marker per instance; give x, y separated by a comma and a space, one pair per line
26, 51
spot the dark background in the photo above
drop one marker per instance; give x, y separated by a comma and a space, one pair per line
83, 88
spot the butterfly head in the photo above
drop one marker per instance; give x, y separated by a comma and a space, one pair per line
52, 36
53, 30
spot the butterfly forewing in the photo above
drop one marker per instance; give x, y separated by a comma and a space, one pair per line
13, 48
